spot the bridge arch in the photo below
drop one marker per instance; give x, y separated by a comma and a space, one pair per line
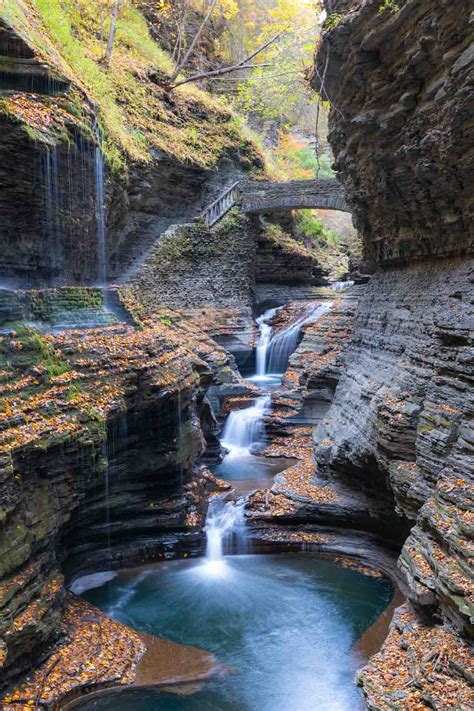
266, 196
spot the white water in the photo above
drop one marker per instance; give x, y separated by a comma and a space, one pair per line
264, 339
100, 217
225, 523
341, 285
285, 342
245, 427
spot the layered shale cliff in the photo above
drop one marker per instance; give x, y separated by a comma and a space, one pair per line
100, 433
399, 78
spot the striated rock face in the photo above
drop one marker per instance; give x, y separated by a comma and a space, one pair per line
399, 83
99, 434
402, 412
401, 125
281, 259
317, 364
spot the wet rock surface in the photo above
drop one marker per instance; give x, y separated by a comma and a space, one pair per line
100, 433
401, 420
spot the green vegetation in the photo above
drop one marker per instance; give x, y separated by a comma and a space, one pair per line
331, 249
279, 238
333, 20
39, 351
313, 230
134, 109
388, 6
294, 159
73, 392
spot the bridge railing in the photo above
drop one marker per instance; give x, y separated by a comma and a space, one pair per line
225, 202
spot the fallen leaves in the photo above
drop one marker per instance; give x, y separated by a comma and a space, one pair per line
96, 650
420, 667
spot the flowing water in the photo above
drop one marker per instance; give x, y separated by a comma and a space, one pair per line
53, 208
100, 216
225, 526
245, 428
265, 331
282, 625
285, 342
341, 285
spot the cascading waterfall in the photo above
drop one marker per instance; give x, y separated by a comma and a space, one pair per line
285, 342
225, 523
245, 427
341, 285
265, 330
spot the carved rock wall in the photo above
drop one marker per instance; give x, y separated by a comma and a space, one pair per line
99, 434
401, 128
400, 85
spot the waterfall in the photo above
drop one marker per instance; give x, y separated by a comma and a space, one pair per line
263, 342
340, 285
245, 427
53, 208
284, 343
100, 216
225, 523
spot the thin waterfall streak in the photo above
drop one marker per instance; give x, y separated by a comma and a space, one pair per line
100, 216
52, 223
180, 425
57, 208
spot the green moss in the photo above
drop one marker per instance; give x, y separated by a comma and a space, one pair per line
333, 20
135, 113
185, 443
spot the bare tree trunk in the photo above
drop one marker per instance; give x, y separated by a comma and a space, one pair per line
113, 27
188, 54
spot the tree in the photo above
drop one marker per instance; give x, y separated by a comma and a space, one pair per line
193, 44
112, 30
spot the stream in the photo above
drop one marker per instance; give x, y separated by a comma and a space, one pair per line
282, 627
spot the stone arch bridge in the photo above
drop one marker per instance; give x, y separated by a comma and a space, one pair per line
258, 197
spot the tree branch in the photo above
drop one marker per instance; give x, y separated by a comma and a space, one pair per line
243, 64
188, 54
263, 77
113, 26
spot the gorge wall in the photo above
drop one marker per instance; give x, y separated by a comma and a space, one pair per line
100, 433
399, 83
101, 430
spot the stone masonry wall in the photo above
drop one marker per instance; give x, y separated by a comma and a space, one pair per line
193, 266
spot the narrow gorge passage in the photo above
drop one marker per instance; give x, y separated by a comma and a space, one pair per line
269, 620
236, 355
